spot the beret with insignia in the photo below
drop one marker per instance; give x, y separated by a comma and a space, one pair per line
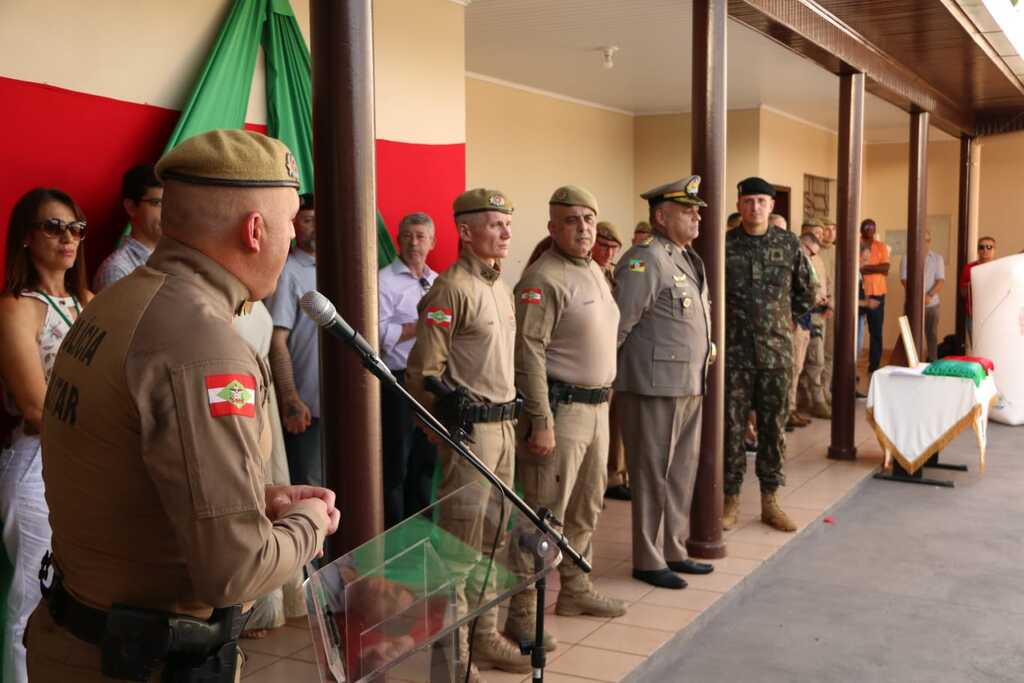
570, 195
481, 199
231, 158
681, 191
755, 185
609, 232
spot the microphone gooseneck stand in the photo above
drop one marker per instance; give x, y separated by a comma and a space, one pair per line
320, 309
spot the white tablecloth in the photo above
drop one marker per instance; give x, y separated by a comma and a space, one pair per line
915, 415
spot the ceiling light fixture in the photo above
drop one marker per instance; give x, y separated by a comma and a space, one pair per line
609, 54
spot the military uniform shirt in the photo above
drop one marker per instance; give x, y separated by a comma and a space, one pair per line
664, 335
768, 285
155, 431
567, 323
466, 334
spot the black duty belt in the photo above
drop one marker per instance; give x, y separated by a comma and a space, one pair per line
136, 642
567, 393
492, 412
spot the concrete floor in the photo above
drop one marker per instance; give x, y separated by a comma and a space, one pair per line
910, 583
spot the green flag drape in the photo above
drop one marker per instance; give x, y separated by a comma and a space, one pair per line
221, 94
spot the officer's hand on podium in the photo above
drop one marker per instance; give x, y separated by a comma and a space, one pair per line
283, 499
297, 417
541, 442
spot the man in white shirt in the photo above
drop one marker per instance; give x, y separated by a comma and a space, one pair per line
408, 456
934, 278
142, 196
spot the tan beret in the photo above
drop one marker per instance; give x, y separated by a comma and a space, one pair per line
570, 195
482, 199
811, 223
232, 158
682, 191
642, 227
608, 231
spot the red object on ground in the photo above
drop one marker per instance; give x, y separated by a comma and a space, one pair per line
829, 520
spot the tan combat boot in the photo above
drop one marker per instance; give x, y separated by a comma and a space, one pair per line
492, 650
730, 512
773, 515
521, 625
578, 596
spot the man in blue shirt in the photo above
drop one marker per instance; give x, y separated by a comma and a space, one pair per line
142, 197
295, 353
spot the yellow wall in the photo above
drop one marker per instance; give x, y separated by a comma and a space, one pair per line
1001, 192
885, 195
662, 144
528, 144
152, 53
788, 149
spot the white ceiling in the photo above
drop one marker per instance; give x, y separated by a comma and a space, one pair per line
555, 46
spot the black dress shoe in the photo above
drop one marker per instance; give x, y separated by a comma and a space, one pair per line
691, 567
662, 578
618, 492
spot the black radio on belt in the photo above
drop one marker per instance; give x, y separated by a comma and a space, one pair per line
135, 643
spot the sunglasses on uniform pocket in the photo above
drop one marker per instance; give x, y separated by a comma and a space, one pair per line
55, 227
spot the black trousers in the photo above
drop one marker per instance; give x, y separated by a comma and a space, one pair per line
408, 458
876, 317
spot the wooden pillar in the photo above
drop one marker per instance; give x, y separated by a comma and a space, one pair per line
917, 219
708, 143
343, 153
851, 163
963, 240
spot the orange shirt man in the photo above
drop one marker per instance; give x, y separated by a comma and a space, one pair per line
874, 270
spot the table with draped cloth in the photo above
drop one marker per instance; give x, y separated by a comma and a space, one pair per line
915, 416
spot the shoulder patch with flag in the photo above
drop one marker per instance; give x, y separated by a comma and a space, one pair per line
231, 395
531, 296
637, 265
439, 317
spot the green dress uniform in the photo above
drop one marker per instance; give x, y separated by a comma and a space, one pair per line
768, 284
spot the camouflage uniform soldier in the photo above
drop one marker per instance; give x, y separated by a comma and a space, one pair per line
768, 284
566, 325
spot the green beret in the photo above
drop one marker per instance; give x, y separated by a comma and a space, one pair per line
681, 191
482, 199
755, 185
570, 195
608, 231
231, 158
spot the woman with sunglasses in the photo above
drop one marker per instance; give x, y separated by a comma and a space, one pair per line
44, 292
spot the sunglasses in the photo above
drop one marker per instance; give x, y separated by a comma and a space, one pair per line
55, 227
986, 247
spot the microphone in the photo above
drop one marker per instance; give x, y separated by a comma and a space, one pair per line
320, 310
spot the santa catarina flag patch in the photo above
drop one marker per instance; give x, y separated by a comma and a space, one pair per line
231, 395
439, 317
637, 265
531, 296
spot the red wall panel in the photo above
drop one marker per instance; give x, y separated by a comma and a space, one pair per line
83, 143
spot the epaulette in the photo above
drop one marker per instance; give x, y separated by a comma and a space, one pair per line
646, 242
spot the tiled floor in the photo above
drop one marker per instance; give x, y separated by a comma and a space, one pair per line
608, 649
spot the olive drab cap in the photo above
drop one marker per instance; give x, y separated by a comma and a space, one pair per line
609, 232
681, 191
481, 199
230, 158
755, 185
570, 195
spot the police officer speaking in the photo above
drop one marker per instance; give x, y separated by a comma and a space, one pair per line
163, 529
664, 351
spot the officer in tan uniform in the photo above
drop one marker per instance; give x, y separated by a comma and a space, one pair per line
566, 323
664, 352
155, 431
461, 368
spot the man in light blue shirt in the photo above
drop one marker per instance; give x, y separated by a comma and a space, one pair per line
934, 278
408, 456
295, 353
142, 197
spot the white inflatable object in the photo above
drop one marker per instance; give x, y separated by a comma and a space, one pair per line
998, 307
